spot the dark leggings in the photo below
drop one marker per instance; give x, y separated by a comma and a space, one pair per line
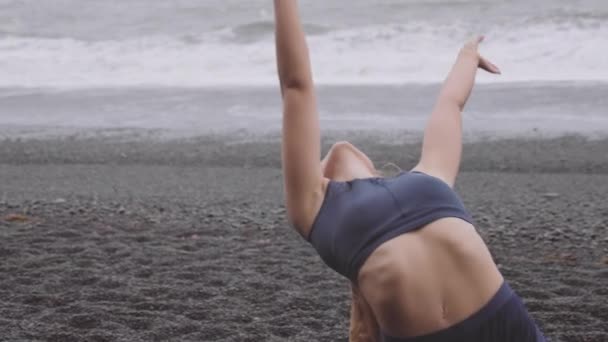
503, 319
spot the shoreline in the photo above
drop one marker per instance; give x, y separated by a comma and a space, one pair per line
566, 154
391, 112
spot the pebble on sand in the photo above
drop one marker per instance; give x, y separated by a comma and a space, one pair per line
550, 195
16, 218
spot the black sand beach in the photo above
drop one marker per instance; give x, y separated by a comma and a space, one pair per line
188, 241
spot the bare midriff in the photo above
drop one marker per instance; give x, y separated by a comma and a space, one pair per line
429, 279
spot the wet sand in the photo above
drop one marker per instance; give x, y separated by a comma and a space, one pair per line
102, 240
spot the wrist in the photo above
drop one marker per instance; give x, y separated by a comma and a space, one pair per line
469, 53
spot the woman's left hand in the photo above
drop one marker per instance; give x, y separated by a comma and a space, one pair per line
472, 46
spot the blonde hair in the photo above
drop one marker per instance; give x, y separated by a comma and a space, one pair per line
382, 172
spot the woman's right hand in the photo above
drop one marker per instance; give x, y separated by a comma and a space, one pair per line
472, 47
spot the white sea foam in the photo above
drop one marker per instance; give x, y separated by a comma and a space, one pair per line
386, 54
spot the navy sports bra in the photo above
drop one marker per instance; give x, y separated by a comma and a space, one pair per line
359, 215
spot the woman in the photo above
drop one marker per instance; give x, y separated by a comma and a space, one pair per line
418, 269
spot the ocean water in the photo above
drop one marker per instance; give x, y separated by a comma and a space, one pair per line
79, 64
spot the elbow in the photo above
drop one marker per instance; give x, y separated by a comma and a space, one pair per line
451, 101
296, 83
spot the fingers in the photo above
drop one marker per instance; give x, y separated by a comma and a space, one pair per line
478, 40
488, 66
484, 64
474, 42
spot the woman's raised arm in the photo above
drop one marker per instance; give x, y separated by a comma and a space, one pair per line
301, 141
442, 144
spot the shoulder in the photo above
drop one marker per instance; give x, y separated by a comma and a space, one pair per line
303, 212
